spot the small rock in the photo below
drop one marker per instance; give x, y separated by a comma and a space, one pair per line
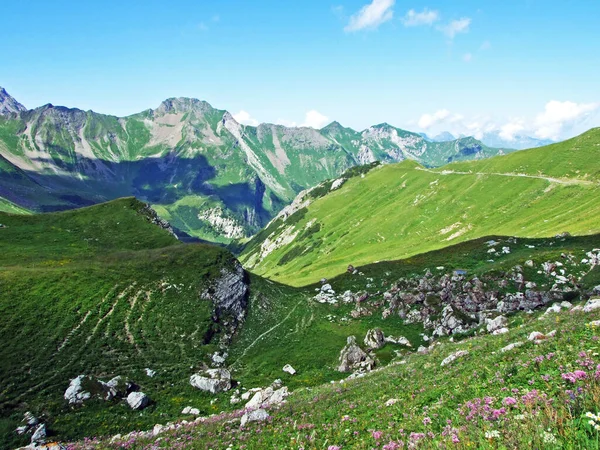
454, 356
39, 434
500, 331
510, 347
289, 369
551, 334
566, 305
592, 305
536, 336
137, 400
150, 372
258, 415
352, 357
158, 428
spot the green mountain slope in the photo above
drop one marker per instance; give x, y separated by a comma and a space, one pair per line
102, 291
400, 210
208, 175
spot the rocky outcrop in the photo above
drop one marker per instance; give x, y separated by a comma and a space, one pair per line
8, 105
154, 218
353, 358
498, 323
229, 293
375, 339
212, 380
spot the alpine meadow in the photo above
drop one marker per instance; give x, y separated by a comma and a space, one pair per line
390, 239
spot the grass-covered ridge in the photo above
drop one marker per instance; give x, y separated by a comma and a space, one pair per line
100, 291
405, 209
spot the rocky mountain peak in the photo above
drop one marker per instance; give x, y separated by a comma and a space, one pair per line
8, 104
183, 105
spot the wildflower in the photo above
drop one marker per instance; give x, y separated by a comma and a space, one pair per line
548, 437
509, 401
492, 434
426, 421
334, 447
377, 435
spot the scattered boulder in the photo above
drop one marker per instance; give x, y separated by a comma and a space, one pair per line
212, 380
189, 410
375, 339
510, 347
150, 372
258, 415
592, 305
158, 428
267, 396
137, 400
496, 324
500, 331
352, 357
556, 308
454, 357
399, 340
289, 369
76, 393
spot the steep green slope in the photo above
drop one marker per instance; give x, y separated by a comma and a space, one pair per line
404, 209
101, 291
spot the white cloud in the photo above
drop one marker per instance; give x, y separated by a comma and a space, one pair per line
441, 116
467, 57
245, 118
371, 15
558, 120
315, 119
425, 17
456, 27
511, 129
558, 116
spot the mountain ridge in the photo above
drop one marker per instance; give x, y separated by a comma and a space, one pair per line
209, 175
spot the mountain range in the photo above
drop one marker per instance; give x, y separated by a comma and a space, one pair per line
210, 176
495, 139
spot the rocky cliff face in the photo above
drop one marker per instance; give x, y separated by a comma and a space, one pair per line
9, 105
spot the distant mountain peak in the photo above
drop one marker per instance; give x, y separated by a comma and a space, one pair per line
175, 105
8, 104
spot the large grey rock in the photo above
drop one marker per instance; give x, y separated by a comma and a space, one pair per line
137, 400
258, 415
78, 390
267, 397
375, 339
496, 324
212, 380
591, 305
229, 293
352, 358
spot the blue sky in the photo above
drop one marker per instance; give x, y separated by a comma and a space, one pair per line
516, 66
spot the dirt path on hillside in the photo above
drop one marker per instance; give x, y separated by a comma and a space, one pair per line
522, 175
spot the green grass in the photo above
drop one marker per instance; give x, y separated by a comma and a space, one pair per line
401, 210
549, 412
100, 291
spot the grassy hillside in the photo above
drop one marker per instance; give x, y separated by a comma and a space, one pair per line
105, 292
488, 399
400, 210
284, 326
